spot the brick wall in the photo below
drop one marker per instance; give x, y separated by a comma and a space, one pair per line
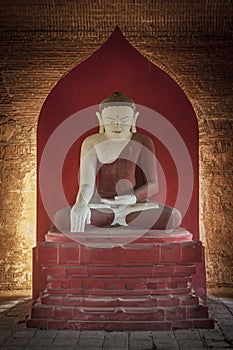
41, 41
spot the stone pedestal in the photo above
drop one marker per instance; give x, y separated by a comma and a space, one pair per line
143, 285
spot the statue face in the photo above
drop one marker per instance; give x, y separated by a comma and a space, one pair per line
117, 121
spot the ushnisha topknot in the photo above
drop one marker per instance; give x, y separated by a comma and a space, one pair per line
117, 99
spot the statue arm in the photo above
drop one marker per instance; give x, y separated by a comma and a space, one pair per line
148, 163
88, 165
80, 212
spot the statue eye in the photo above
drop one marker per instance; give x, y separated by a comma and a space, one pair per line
109, 119
125, 119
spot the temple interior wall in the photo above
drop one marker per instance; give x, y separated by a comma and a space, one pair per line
41, 41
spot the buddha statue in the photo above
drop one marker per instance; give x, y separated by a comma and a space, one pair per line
118, 176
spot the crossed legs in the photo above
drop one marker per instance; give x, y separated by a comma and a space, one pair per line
161, 217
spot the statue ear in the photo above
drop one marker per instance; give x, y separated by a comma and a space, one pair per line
101, 126
133, 128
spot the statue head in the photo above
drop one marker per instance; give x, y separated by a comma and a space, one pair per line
118, 112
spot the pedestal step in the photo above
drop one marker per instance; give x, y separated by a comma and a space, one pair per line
133, 254
116, 301
162, 271
151, 285
119, 325
109, 237
95, 317
119, 313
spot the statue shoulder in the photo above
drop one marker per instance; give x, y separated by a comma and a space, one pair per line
145, 141
142, 138
92, 140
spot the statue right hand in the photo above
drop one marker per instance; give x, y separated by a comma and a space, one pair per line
79, 216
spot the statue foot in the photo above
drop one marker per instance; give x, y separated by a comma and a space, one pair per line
119, 221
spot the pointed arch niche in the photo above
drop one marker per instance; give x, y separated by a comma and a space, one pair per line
166, 114
118, 66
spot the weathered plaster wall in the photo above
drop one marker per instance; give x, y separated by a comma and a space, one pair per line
42, 40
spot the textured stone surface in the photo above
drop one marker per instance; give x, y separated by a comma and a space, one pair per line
41, 41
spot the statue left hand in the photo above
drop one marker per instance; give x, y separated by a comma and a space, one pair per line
126, 199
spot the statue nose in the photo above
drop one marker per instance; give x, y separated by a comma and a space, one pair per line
117, 124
